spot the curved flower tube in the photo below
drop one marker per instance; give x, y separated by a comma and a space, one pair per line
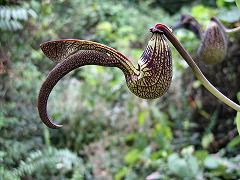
150, 80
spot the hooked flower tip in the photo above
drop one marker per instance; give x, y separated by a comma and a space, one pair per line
153, 30
162, 27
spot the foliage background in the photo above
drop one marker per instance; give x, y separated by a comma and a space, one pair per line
109, 133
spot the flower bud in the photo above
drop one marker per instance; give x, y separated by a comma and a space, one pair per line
213, 48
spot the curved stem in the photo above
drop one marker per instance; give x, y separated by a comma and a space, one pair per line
195, 68
190, 27
234, 30
186, 18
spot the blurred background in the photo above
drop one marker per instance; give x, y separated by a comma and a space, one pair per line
108, 132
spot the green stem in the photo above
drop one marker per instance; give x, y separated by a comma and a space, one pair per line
234, 30
195, 68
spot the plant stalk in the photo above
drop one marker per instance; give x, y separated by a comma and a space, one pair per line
167, 32
234, 30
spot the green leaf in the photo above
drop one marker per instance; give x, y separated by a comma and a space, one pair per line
133, 156
201, 12
192, 165
187, 150
229, 1
2, 154
160, 140
231, 15
207, 139
211, 162
14, 14
141, 117
130, 137
32, 13
235, 141
201, 155
7, 14
158, 154
238, 122
196, 84
47, 137
238, 96
183, 167
238, 4
220, 3
120, 174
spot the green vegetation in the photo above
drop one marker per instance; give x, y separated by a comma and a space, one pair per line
108, 132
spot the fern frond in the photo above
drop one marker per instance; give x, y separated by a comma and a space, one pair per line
63, 160
10, 25
11, 17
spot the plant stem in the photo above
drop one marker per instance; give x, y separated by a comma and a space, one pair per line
195, 68
186, 18
234, 30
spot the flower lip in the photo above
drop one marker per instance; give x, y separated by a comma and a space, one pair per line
155, 30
